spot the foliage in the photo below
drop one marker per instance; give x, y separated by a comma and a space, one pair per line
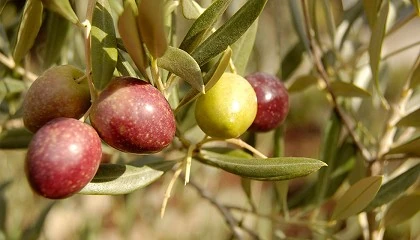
368, 155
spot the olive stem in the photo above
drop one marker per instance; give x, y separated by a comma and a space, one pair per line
188, 163
10, 63
235, 141
169, 190
156, 76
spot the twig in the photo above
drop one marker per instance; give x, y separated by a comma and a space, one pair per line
169, 190
321, 70
230, 220
10, 63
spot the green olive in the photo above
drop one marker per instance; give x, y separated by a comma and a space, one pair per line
228, 108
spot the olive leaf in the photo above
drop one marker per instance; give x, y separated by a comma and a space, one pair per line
28, 30
124, 67
242, 48
15, 138
229, 32
151, 24
4, 41
395, 187
130, 36
34, 231
202, 26
416, 4
415, 76
345, 89
3, 205
211, 77
301, 83
357, 197
57, 28
402, 209
271, 169
375, 44
371, 10
63, 8
410, 120
180, 63
191, 9
103, 45
113, 179
292, 60
410, 147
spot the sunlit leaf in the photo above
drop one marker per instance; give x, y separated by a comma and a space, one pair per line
357, 197
345, 89
63, 8
130, 36
113, 179
375, 45
33, 232
180, 63
124, 67
302, 82
28, 29
57, 28
15, 138
103, 44
410, 120
402, 209
281, 168
152, 26
191, 9
211, 77
202, 26
242, 48
416, 4
229, 32
395, 187
410, 147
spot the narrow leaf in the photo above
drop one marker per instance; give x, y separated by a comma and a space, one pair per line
395, 187
371, 10
63, 8
151, 24
242, 48
410, 120
103, 45
375, 45
191, 9
416, 4
402, 209
124, 67
113, 179
15, 138
202, 26
209, 79
229, 32
28, 29
410, 147
34, 231
292, 60
357, 197
130, 36
3, 205
180, 63
415, 76
345, 89
302, 82
4, 41
57, 28
281, 168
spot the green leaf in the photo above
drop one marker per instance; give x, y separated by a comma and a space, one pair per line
395, 187
357, 197
124, 67
371, 10
103, 45
345, 89
375, 45
410, 147
242, 48
15, 138
180, 63
63, 8
191, 9
202, 26
229, 32
302, 82
34, 231
28, 29
298, 23
10, 86
57, 28
113, 179
209, 79
402, 209
151, 23
4, 41
410, 120
292, 60
3, 205
416, 4
271, 169
130, 36
415, 76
